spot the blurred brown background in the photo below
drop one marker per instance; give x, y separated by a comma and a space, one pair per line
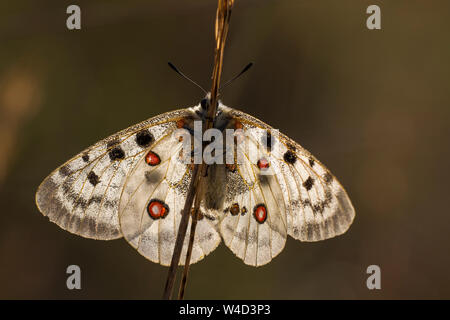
372, 105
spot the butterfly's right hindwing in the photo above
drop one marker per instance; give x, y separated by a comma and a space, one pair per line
152, 201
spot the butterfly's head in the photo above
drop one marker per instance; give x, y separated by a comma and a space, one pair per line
205, 103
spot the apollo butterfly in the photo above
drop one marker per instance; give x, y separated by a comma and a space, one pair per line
133, 184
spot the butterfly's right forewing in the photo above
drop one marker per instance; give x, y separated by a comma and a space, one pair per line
82, 196
299, 196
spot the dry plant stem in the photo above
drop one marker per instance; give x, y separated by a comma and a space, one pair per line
221, 31
189, 251
181, 233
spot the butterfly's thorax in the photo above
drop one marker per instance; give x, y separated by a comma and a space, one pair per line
212, 189
223, 119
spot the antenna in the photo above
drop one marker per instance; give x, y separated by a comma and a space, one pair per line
240, 74
185, 76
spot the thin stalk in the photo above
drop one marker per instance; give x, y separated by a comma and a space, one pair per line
181, 234
223, 16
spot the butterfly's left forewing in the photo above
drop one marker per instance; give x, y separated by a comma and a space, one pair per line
82, 195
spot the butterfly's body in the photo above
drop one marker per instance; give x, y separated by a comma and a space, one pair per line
133, 184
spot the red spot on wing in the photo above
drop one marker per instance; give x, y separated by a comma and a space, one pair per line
263, 163
260, 213
152, 159
157, 209
234, 209
180, 123
238, 125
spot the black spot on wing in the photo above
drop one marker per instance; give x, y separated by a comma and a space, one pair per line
291, 147
110, 204
105, 202
116, 153
318, 207
93, 178
80, 202
290, 157
205, 237
306, 203
325, 203
144, 138
308, 183
67, 186
234, 209
85, 157
327, 177
311, 162
113, 142
94, 199
64, 170
328, 196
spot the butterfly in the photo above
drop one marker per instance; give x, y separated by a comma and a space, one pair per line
133, 184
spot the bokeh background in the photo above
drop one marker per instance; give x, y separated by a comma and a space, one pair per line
374, 106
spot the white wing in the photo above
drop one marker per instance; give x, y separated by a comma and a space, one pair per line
82, 195
253, 238
151, 204
134, 184
301, 198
